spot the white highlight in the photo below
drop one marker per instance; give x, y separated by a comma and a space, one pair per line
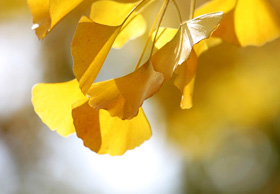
35, 26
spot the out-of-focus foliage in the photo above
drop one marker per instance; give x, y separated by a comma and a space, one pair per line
231, 136
246, 22
236, 87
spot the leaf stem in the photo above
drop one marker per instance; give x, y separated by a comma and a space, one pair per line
149, 35
137, 9
178, 10
192, 9
159, 24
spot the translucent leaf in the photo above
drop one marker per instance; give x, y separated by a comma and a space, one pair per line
187, 70
47, 13
53, 104
110, 13
104, 134
185, 80
123, 96
179, 48
90, 47
164, 36
134, 29
93, 41
113, 13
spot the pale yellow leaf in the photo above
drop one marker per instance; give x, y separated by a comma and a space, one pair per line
177, 51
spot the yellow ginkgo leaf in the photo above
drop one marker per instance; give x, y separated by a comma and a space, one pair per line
187, 70
206, 44
90, 47
179, 48
256, 25
113, 13
246, 22
47, 13
93, 41
123, 96
185, 80
164, 36
53, 104
104, 134
132, 29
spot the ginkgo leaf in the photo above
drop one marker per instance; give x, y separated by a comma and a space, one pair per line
123, 96
134, 29
166, 34
90, 47
185, 80
53, 104
93, 41
187, 70
177, 51
246, 22
104, 134
261, 23
206, 44
113, 13
47, 13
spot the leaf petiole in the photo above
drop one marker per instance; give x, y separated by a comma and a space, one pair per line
192, 9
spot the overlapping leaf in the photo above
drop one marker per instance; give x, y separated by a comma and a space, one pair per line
185, 80
53, 104
173, 41
123, 96
93, 41
47, 13
109, 135
179, 48
113, 13
57, 103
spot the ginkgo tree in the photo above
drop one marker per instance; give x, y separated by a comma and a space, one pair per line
107, 115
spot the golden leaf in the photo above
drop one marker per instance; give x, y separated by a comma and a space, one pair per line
90, 47
93, 41
246, 22
53, 104
63, 107
47, 13
123, 96
177, 51
104, 134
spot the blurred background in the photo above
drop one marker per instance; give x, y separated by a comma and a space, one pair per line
229, 142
